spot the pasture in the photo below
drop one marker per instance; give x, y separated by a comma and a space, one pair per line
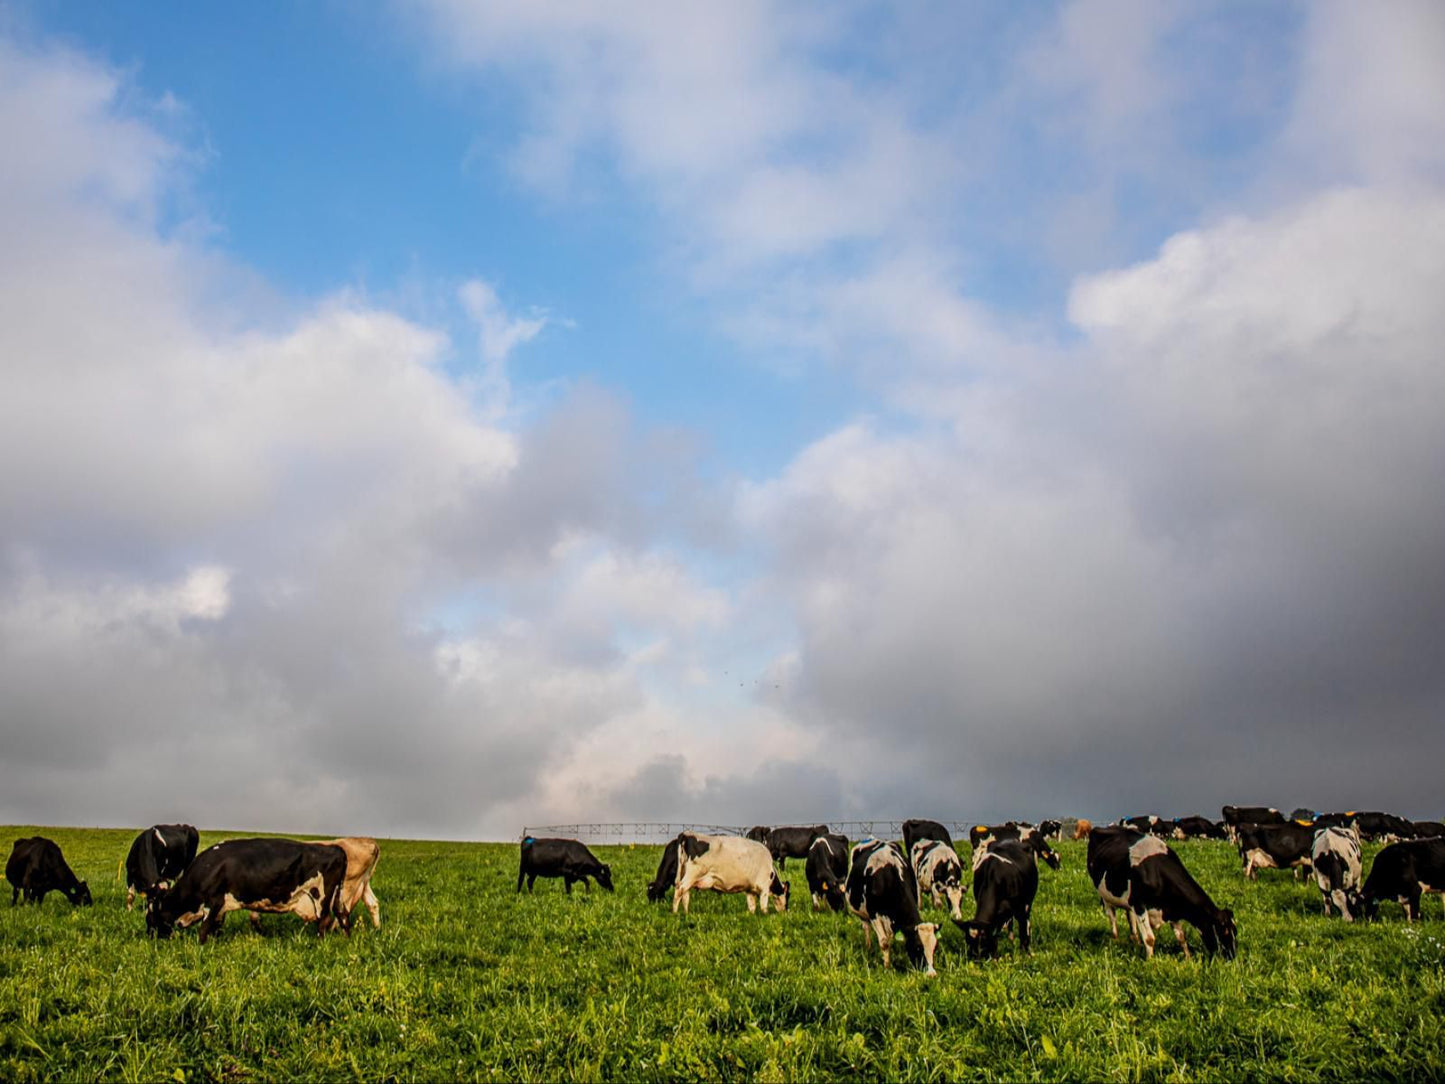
468, 980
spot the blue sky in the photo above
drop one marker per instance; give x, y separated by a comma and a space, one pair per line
747, 413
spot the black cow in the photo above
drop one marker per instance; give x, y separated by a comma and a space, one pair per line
1426, 829
37, 867
1005, 882
792, 841
1235, 815
980, 835
565, 858
1384, 826
1275, 846
758, 833
916, 829
1302, 814
1404, 871
1335, 820
1196, 827
278, 876
666, 872
883, 893
158, 856
827, 871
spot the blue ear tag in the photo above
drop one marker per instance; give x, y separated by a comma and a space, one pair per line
530, 839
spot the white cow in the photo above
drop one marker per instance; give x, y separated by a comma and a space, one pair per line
727, 864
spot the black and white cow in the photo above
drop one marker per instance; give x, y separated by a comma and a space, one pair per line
1147, 823
1426, 829
883, 893
793, 841
827, 871
727, 864
1005, 882
666, 878
915, 829
1275, 846
980, 835
1335, 857
1142, 875
1196, 827
1405, 871
565, 858
158, 856
939, 874
278, 876
37, 867
1235, 815
1052, 829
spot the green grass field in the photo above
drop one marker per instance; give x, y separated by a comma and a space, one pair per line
468, 980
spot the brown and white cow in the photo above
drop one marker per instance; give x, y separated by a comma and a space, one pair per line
727, 864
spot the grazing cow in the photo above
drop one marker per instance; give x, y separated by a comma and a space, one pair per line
758, 833
827, 870
1161, 890
1235, 815
666, 873
1426, 829
883, 893
362, 853
1052, 830
1301, 815
793, 842
277, 876
1335, 857
1147, 823
1082, 828
1005, 882
939, 874
1335, 820
1275, 846
158, 856
1196, 827
1404, 871
1107, 861
980, 835
565, 858
1385, 827
37, 867
915, 829
727, 864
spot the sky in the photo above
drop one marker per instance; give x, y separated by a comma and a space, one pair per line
444, 418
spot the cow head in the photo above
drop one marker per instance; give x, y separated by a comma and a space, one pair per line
1219, 936
982, 940
604, 876
1369, 906
833, 893
921, 943
656, 890
780, 890
160, 922
79, 896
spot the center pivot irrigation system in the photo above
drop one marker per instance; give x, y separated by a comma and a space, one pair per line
659, 832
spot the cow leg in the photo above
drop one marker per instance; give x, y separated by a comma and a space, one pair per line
255, 917
521, 876
753, 904
531, 880
373, 906
129, 896
1146, 933
14, 895
214, 917
1179, 936
567, 883
884, 930
1412, 906
1025, 928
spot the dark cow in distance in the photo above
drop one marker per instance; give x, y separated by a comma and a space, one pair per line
1005, 882
565, 858
1427, 829
980, 835
158, 856
1140, 874
1052, 829
1147, 823
1404, 872
37, 867
1196, 827
883, 893
1275, 846
827, 871
1383, 827
758, 833
915, 829
1235, 815
792, 841
276, 876
666, 873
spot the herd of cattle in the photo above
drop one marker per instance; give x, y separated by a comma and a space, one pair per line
320, 882
886, 884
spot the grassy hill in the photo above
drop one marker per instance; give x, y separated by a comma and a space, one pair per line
468, 980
